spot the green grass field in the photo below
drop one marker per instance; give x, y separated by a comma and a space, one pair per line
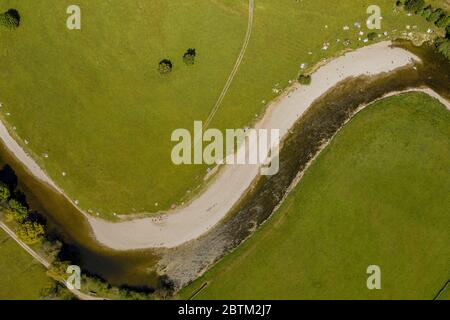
21, 276
378, 195
94, 102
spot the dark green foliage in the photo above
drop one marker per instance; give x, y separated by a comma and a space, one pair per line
426, 12
435, 15
414, 5
443, 21
189, 57
10, 19
19, 211
4, 192
438, 16
443, 47
31, 232
304, 79
165, 66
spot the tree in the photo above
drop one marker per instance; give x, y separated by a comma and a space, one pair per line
10, 19
19, 211
31, 232
304, 79
57, 270
189, 57
443, 21
165, 66
4, 192
435, 15
426, 12
444, 47
414, 5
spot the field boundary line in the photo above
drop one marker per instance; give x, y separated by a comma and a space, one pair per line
251, 9
37, 257
447, 285
196, 293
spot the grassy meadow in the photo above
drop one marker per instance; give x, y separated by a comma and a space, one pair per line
21, 276
92, 109
377, 195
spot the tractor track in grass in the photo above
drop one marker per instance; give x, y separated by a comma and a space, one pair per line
251, 9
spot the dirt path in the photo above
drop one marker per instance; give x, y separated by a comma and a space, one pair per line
80, 295
37, 257
251, 7
233, 181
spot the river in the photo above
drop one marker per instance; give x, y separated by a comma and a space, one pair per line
143, 268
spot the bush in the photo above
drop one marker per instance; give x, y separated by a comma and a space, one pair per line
426, 12
18, 211
304, 79
165, 66
31, 232
189, 57
443, 47
414, 5
50, 248
57, 270
371, 36
56, 291
4, 192
10, 19
435, 15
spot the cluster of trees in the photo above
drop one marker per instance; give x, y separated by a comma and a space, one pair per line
10, 19
30, 228
438, 16
96, 286
165, 66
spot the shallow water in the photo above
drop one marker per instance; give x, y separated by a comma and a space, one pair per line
185, 263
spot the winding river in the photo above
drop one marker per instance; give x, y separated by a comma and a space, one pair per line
184, 261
